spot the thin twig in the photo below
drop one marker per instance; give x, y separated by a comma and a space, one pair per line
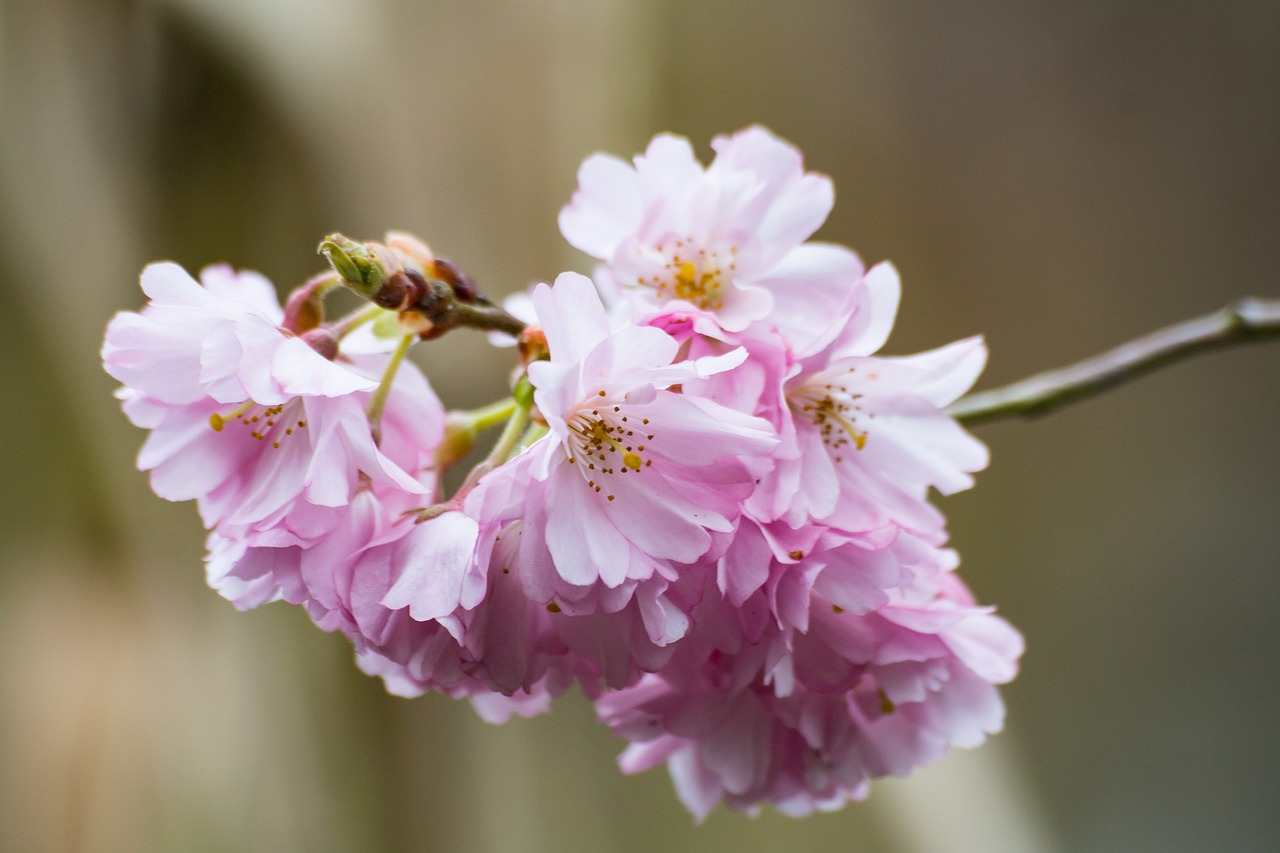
1241, 322
486, 316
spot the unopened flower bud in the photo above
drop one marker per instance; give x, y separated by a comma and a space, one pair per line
322, 341
402, 290
391, 294
412, 249
361, 269
305, 309
463, 286
532, 344
459, 438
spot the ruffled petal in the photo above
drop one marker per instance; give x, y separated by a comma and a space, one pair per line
604, 208
433, 560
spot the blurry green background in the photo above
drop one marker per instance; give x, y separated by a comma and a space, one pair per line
1060, 177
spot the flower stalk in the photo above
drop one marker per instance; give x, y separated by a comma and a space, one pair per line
461, 429
354, 320
305, 309
479, 420
378, 402
508, 443
516, 422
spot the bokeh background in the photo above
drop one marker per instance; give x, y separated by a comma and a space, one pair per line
1058, 176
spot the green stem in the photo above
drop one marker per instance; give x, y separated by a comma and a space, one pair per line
510, 438
355, 320
379, 400
491, 415
507, 443
532, 434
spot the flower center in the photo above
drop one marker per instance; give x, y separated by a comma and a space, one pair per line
273, 423
697, 275
835, 411
604, 441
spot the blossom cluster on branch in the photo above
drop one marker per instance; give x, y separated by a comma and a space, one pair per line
708, 505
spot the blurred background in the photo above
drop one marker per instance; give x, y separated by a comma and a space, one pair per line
1060, 177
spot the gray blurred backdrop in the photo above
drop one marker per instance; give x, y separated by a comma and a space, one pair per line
1057, 176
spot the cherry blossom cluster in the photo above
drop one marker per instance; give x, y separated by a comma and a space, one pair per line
707, 507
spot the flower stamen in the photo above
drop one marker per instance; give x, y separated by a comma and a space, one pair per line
700, 279
833, 410
595, 436
218, 421
262, 421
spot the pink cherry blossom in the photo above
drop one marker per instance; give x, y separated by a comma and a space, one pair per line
399, 591
632, 477
605, 516
264, 433
804, 716
869, 434
727, 239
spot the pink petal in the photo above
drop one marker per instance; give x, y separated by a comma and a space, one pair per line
433, 560
571, 315
667, 169
583, 542
251, 289
632, 347
874, 306
812, 286
161, 360
988, 645
604, 209
169, 283
943, 374
797, 212
301, 371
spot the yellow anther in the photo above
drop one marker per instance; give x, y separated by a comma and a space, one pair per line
218, 421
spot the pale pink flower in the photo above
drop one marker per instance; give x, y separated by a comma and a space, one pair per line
633, 477
400, 592
804, 716
632, 486
728, 239
447, 612
613, 633
784, 566
865, 436
266, 434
